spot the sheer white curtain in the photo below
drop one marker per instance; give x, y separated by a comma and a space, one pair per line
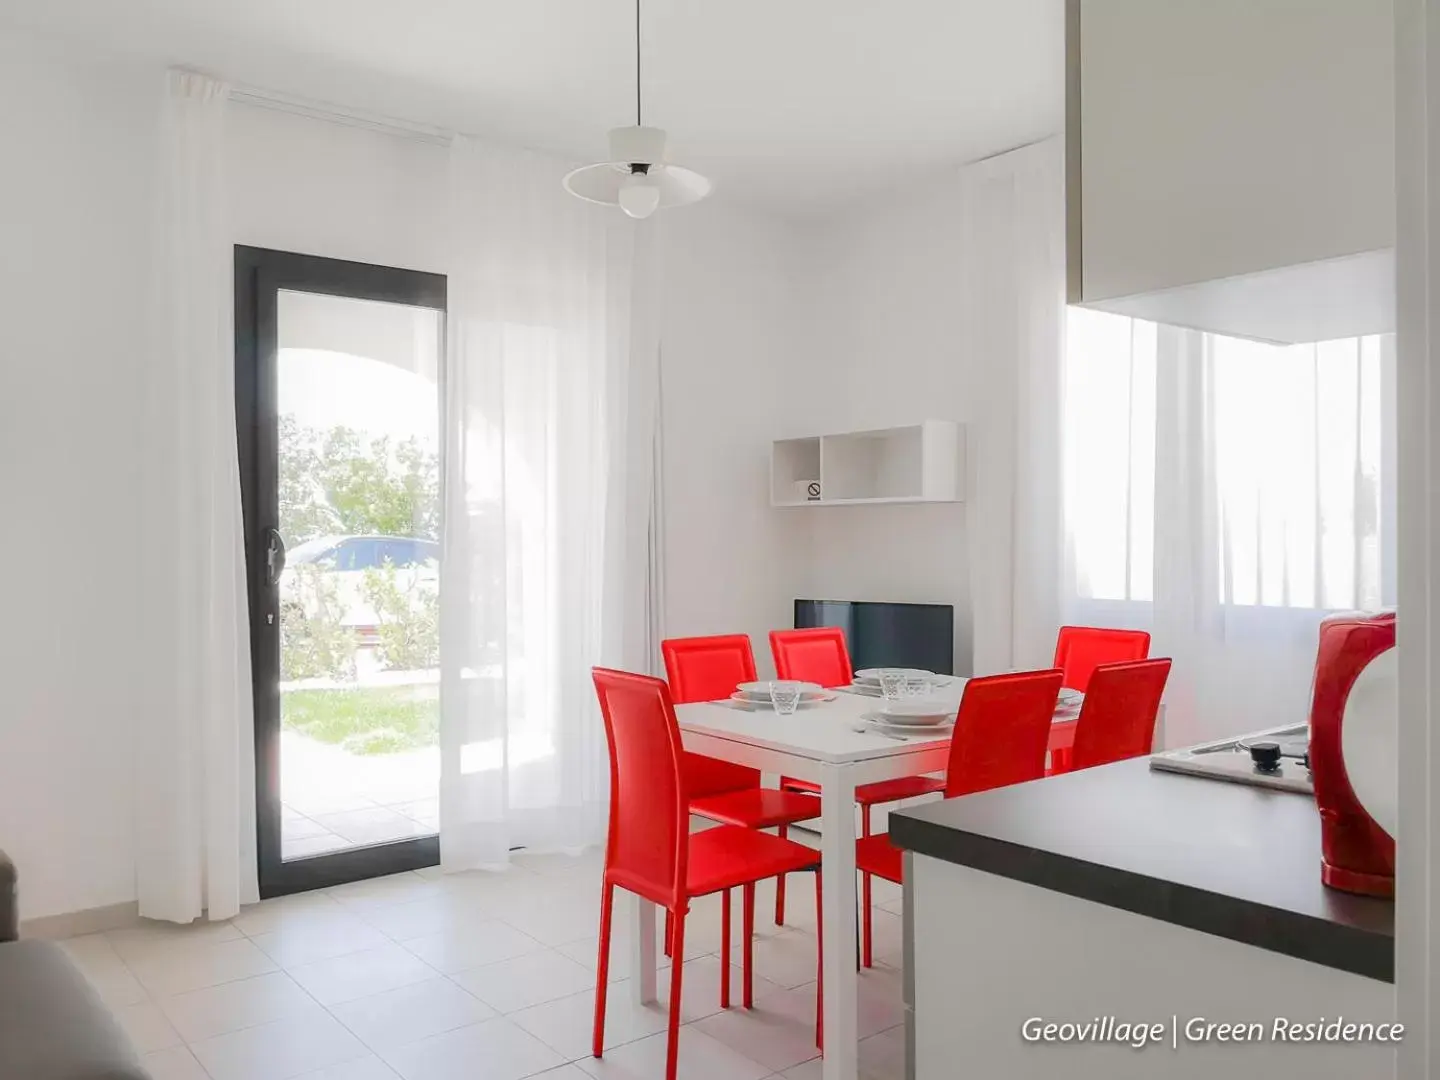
550, 390
1226, 495
194, 769
1013, 289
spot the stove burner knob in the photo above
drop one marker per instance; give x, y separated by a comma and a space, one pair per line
1266, 756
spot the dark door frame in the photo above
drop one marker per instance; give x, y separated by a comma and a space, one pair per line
259, 274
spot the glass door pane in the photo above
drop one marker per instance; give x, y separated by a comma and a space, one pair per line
358, 409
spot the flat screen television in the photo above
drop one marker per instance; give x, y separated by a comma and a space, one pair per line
888, 635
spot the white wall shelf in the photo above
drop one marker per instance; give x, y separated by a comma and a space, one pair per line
913, 464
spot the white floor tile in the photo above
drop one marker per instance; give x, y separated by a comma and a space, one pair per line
366, 1068
548, 910
139, 942
471, 945
566, 1023
591, 860
879, 1001
203, 1014
148, 1027
269, 916
882, 1056
176, 1063
176, 969
101, 964
326, 802
377, 892
788, 959
700, 991
396, 1017
527, 980
445, 911
373, 825
320, 844
319, 934
360, 974
279, 1050
564, 1072
300, 827
779, 1032
495, 1049
889, 940
700, 1058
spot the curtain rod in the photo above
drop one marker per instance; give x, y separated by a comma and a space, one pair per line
339, 114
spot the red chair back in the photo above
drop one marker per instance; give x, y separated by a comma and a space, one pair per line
1079, 650
815, 655
649, 821
1002, 731
709, 669
1117, 719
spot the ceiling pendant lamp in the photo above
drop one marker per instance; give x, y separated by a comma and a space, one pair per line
637, 178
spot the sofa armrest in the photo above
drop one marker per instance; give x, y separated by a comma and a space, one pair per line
9, 901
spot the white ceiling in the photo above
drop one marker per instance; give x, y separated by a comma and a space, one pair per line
798, 104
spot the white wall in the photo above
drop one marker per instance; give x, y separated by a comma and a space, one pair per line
74, 210
729, 334
325, 188
881, 343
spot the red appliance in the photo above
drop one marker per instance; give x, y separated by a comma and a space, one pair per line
1357, 855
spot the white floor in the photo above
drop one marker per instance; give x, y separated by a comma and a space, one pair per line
332, 799
480, 976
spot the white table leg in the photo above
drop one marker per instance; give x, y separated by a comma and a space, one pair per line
642, 950
837, 850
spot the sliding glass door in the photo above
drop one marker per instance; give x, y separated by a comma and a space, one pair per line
338, 406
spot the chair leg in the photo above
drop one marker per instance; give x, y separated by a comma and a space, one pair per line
781, 832
672, 1051
748, 968
607, 903
819, 968
865, 916
669, 929
725, 949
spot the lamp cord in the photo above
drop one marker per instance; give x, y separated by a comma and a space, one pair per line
638, 115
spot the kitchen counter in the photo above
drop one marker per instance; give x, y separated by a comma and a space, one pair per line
1225, 859
1118, 894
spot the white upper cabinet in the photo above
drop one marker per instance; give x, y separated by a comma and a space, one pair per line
1231, 163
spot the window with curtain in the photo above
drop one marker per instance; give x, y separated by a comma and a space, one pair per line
1289, 441
1225, 495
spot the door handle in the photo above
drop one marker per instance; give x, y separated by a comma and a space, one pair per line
274, 556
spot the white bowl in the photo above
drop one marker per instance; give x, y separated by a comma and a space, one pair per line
919, 711
763, 686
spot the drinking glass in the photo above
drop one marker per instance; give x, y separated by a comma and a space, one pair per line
915, 686
785, 697
891, 683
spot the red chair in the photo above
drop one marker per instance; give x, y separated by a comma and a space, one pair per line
1117, 719
1001, 733
819, 655
709, 669
1079, 650
650, 850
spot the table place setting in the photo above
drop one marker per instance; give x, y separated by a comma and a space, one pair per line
783, 696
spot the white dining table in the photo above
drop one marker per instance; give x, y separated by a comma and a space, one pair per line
818, 743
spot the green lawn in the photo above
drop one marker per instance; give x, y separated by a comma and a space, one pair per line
373, 720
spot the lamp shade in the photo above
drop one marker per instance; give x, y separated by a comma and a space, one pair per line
637, 151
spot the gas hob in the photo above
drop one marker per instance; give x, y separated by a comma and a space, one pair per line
1239, 760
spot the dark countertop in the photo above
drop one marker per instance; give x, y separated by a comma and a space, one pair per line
1226, 859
